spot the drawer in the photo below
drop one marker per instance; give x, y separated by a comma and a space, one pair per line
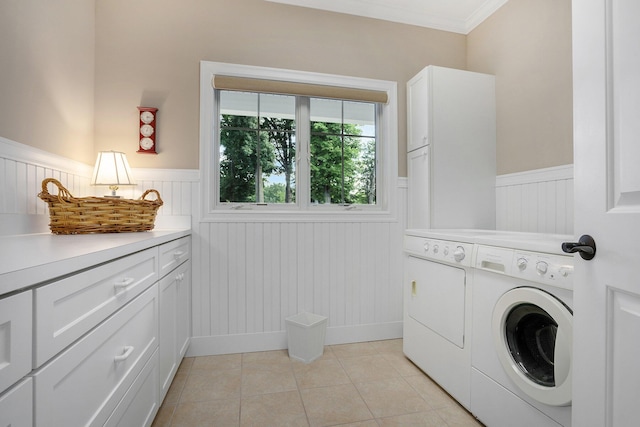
15, 338
139, 405
67, 309
16, 405
174, 253
83, 385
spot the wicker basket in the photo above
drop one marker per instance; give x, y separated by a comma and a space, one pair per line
71, 215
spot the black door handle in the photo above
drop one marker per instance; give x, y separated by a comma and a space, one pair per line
586, 246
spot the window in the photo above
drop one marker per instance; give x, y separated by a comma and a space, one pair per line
265, 152
257, 148
343, 152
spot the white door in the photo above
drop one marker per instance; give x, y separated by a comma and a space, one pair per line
606, 38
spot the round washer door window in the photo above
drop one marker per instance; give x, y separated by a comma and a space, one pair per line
533, 333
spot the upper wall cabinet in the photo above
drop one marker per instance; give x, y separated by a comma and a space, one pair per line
451, 160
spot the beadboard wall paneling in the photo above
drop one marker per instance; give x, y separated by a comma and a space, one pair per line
538, 201
250, 276
22, 169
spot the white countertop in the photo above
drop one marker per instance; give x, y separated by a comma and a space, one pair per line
29, 259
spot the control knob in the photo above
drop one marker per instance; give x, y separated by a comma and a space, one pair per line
426, 247
446, 250
522, 264
435, 249
541, 268
458, 254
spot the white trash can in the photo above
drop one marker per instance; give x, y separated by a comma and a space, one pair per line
305, 335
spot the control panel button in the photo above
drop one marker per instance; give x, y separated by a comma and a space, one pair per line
446, 250
542, 267
565, 271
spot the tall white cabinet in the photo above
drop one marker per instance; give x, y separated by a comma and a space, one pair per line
451, 161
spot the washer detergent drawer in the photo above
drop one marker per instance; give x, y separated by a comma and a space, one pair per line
436, 297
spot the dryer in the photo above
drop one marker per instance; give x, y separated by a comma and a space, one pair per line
437, 306
522, 331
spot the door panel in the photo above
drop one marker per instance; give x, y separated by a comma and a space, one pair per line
437, 298
606, 67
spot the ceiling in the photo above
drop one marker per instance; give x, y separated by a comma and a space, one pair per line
458, 16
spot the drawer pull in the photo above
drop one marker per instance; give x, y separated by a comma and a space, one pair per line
124, 356
178, 254
123, 283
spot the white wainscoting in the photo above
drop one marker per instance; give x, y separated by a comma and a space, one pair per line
259, 273
22, 169
539, 201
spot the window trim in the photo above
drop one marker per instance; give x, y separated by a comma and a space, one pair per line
387, 149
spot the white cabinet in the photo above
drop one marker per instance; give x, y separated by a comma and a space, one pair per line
83, 385
15, 338
175, 305
68, 308
16, 397
81, 346
174, 253
451, 161
139, 406
16, 405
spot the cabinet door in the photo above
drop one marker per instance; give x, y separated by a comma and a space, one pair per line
418, 110
15, 338
16, 405
183, 329
168, 288
418, 187
175, 322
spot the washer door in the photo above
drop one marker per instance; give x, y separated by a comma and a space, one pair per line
533, 334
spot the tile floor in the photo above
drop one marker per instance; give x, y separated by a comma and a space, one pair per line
365, 384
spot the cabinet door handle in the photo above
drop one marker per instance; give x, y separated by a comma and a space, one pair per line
414, 289
123, 283
124, 356
178, 254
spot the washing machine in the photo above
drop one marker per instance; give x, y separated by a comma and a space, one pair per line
437, 306
522, 318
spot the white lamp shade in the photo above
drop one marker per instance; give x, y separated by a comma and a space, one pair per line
112, 168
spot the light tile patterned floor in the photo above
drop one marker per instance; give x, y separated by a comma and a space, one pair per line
365, 384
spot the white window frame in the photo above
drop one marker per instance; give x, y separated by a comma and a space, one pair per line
302, 210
